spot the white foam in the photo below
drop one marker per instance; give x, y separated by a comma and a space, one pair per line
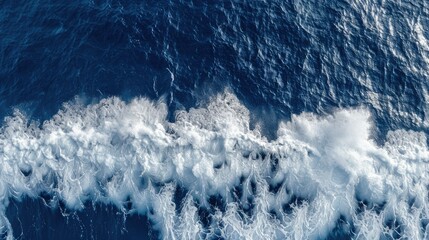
112, 151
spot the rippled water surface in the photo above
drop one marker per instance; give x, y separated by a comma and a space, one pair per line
214, 119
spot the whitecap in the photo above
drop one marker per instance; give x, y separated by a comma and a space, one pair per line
319, 169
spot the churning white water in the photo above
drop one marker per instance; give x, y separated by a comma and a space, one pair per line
319, 172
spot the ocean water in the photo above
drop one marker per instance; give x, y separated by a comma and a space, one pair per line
221, 119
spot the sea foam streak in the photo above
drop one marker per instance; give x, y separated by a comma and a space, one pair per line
318, 173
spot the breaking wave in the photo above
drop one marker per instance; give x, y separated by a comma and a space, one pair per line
209, 174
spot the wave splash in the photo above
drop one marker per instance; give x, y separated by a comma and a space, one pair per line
320, 176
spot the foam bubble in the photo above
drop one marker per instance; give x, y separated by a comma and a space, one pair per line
318, 172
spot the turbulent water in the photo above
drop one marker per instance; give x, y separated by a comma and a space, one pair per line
214, 119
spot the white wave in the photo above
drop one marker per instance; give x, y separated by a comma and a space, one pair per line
318, 170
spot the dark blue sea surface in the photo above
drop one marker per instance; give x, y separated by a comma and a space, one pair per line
279, 58
284, 57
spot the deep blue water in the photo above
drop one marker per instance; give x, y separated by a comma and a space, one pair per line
278, 57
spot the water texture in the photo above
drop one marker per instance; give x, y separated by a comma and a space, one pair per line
214, 119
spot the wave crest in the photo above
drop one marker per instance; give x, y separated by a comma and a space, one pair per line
321, 175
